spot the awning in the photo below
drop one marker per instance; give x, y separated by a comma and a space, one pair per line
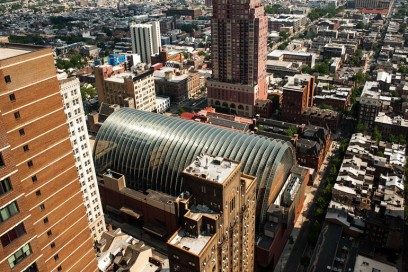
158, 231
134, 213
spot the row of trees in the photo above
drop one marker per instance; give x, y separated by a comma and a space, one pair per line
323, 201
322, 68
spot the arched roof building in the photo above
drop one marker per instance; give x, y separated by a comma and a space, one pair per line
152, 150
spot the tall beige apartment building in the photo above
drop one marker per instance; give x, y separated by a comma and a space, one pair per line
218, 233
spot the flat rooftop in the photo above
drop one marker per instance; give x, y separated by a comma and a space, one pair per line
212, 168
192, 244
10, 50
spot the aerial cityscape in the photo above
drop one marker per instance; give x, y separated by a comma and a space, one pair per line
204, 135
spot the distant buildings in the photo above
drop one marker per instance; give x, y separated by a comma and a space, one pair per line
239, 41
146, 40
194, 13
43, 222
293, 56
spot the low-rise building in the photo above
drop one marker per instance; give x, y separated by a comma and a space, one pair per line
293, 56
388, 126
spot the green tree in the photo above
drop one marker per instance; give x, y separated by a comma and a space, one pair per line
322, 68
274, 9
377, 135
87, 93
307, 70
292, 130
181, 110
283, 35
362, 128
360, 25
403, 69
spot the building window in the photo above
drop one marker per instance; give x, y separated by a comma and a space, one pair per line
56, 257
17, 115
21, 131
7, 79
34, 178
1, 160
59, 268
49, 233
12, 97
42, 207
8, 211
19, 255
5, 186
32, 268
25, 147
45, 220
52, 245
12, 235
30, 163
38, 193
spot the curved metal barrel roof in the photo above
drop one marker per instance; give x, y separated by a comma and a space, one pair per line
152, 150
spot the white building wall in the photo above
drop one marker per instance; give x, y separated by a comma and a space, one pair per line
145, 40
162, 104
73, 108
145, 93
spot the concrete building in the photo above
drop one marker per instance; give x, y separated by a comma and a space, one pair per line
146, 40
333, 51
239, 48
124, 88
176, 84
73, 108
296, 21
298, 95
293, 56
387, 125
364, 264
43, 222
162, 104
371, 103
219, 225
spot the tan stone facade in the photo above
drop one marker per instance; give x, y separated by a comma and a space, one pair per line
42, 205
219, 225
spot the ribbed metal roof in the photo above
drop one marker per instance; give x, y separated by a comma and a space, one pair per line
151, 150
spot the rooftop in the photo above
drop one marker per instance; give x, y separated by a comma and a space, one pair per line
364, 264
212, 168
190, 243
9, 50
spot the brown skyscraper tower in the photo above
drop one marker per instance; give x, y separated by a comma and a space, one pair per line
43, 225
239, 50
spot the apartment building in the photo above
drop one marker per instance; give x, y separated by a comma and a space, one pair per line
74, 111
146, 40
43, 222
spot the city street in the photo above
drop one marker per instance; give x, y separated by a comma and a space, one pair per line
292, 253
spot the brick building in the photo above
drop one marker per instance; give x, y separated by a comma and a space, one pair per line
218, 233
298, 95
239, 48
43, 224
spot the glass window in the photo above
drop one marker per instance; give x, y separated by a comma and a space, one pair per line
8, 211
5, 186
19, 255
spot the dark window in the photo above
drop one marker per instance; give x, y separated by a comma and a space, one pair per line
56, 257
32, 268
38, 193
49, 233
34, 178
1, 160
12, 97
8, 211
17, 115
59, 268
30, 163
45, 220
26, 148
52, 245
22, 132
7, 79
42, 207
12, 235
5, 186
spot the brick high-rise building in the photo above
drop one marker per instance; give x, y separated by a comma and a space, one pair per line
43, 223
239, 51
